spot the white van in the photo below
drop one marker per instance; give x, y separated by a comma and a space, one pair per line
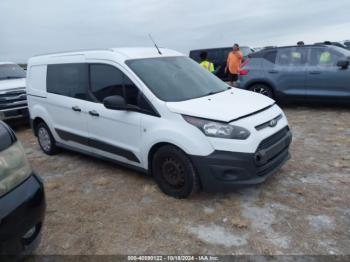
158, 112
13, 99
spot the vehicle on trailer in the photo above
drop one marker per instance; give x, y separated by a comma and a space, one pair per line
22, 199
13, 99
218, 56
159, 112
306, 73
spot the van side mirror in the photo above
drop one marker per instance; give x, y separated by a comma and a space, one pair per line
343, 64
115, 103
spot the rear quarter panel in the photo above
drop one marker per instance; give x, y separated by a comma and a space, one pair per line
256, 68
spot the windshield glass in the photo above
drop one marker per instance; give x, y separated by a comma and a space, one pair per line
174, 79
10, 71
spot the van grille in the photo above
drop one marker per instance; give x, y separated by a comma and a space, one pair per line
273, 151
13, 99
274, 138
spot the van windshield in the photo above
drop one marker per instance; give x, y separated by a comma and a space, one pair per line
11, 71
174, 79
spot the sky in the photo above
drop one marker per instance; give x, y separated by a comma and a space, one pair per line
34, 27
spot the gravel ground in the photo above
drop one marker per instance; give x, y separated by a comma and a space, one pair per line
95, 207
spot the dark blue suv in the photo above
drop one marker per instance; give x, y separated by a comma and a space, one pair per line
299, 73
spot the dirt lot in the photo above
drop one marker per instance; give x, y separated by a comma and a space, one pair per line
95, 207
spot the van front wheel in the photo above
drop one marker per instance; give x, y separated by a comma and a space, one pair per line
174, 172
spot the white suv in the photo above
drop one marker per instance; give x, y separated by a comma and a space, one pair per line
158, 112
13, 99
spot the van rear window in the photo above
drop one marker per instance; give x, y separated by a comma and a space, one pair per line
68, 80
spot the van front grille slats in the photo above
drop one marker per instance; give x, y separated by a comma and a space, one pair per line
274, 138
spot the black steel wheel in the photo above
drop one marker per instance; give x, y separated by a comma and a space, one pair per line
174, 172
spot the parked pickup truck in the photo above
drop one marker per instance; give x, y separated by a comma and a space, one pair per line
13, 98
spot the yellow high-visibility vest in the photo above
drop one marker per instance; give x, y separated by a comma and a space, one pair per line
207, 65
325, 57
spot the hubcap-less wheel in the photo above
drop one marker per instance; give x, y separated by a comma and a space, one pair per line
44, 139
173, 172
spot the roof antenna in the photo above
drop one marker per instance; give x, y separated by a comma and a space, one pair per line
159, 52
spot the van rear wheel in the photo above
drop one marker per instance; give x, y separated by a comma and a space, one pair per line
174, 172
262, 89
46, 140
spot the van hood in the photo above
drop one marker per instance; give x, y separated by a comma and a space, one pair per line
225, 106
9, 84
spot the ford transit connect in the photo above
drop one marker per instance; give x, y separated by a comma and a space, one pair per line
158, 112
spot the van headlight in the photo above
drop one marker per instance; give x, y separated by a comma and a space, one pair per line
217, 129
14, 167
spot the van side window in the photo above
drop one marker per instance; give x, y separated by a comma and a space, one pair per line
131, 92
68, 80
106, 81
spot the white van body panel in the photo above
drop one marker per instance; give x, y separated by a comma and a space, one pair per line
37, 80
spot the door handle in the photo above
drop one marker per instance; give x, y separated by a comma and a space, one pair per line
273, 72
94, 113
76, 109
315, 72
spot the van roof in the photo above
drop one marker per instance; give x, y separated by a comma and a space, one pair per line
123, 54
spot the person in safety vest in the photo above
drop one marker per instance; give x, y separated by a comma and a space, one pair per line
205, 63
234, 61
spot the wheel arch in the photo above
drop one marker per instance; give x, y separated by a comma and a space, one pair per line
39, 114
153, 150
36, 122
159, 145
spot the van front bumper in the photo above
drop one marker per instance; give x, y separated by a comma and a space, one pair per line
224, 171
22, 214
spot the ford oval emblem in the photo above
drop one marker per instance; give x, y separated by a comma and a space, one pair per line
273, 123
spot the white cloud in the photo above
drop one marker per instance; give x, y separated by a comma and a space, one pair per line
39, 26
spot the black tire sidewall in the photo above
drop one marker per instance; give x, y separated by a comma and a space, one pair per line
191, 179
267, 88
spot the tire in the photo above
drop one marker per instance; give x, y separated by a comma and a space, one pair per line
46, 140
174, 172
262, 89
